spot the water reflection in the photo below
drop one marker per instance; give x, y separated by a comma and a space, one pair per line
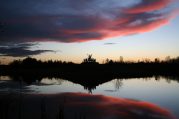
78, 106
9, 86
9, 83
159, 90
52, 81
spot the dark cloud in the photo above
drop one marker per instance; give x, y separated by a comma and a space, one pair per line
20, 50
79, 21
110, 43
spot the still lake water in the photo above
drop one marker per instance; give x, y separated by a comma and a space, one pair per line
160, 91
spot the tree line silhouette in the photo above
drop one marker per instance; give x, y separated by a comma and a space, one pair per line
90, 69
90, 60
89, 73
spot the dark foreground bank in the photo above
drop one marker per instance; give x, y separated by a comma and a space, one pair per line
77, 106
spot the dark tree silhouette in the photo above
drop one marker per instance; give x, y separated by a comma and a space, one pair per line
90, 60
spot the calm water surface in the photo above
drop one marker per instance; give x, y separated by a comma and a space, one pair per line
160, 91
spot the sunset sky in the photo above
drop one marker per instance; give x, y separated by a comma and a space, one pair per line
68, 30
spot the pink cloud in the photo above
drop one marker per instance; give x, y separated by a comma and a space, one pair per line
148, 6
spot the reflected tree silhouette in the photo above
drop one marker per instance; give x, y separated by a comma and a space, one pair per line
118, 83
